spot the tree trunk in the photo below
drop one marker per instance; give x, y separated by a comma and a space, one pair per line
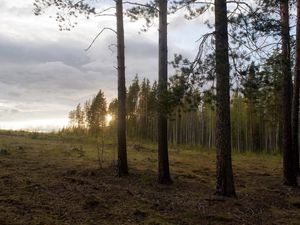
295, 112
225, 183
178, 127
122, 151
163, 156
289, 177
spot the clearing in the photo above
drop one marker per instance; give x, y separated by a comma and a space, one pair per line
49, 180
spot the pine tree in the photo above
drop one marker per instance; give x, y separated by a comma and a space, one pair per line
132, 104
143, 107
289, 175
79, 116
96, 113
122, 146
295, 111
132, 97
86, 109
148, 11
251, 92
163, 156
225, 183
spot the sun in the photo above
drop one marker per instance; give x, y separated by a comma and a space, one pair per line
108, 119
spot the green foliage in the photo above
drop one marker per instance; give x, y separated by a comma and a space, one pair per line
67, 11
97, 112
133, 96
147, 12
90, 117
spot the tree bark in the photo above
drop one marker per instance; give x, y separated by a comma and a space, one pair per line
163, 156
225, 182
289, 177
295, 111
122, 151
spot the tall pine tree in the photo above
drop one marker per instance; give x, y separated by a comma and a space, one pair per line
225, 183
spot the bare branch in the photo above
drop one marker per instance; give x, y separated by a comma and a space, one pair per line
202, 40
238, 2
106, 28
105, 10
106, 15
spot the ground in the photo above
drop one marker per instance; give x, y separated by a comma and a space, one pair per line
49, 180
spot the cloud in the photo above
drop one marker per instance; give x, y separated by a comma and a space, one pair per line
44, 73
22, 52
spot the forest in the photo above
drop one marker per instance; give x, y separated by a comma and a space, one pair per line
214, 139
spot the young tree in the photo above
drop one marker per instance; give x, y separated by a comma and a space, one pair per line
72, 118
289, 175
96, 113
132, 97
143, 107
86, 108
225, 183
96, 117
132, 103
79, 115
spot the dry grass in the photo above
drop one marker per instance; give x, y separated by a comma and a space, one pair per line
49, 181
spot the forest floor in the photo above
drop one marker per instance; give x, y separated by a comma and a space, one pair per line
53, 181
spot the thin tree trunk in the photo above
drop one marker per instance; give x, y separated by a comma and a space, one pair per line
277, 135
210, 129
295, 115
239, 123
163, 155
122, 151
225, 183
202, 128
178, 127
289, 176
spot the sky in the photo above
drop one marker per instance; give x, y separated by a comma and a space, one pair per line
45, 73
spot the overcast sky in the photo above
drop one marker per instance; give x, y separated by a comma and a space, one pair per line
45, 73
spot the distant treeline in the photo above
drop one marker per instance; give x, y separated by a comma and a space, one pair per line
255, 112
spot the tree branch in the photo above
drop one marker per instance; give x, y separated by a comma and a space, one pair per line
106, 28
142, 5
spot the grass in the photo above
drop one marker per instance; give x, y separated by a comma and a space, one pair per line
47, 179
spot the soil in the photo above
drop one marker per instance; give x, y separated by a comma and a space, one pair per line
59, 182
